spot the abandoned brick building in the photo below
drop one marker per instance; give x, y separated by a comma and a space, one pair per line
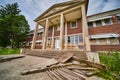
66, 26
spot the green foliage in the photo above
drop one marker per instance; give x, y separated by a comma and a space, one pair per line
5, 51
112, 61
13, 26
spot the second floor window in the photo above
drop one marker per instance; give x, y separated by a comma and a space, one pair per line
119, 19
40, 34
98, 23
108, 21
90, 24
73, 24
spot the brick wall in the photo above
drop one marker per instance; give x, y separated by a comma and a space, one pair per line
39, 38
105, 47
114, 28
75, 30
38, 47
57, 33
29, 39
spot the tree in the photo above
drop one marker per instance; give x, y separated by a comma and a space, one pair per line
13, 26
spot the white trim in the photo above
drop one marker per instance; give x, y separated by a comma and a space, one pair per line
99, 18
118, 15
38, 41
98, 36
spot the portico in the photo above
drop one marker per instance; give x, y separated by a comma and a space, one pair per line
55, 24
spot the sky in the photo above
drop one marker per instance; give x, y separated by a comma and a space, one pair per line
33, 8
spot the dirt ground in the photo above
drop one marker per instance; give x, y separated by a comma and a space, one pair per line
11, 70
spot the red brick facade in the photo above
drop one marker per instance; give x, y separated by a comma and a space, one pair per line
105, 47
104, 29
114, 28
74, 30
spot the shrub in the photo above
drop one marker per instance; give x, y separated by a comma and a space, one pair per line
112, 61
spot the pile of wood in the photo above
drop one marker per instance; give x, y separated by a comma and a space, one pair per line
69, 67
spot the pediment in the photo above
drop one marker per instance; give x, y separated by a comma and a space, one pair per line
58, 7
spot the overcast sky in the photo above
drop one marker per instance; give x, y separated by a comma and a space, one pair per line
33, 8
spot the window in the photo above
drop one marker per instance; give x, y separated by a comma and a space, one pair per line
49, 29
69, 39
119, 19
90, 24
73, 24
72, 42
40, 34
57, 28
107, 41
75, 39
108, 21
97, 41
80, 38
98, 23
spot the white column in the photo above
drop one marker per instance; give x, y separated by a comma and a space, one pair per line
85, 29
66, 37
52, 37
61, 30
34, 37
45, 35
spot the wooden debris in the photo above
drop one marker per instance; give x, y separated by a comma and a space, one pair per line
4, 59
82, 68
66, 57
92, 64
68, 71
31, 71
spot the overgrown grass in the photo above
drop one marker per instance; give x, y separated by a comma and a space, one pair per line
5, 51
112, 61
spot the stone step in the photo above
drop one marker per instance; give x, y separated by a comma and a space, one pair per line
54, 53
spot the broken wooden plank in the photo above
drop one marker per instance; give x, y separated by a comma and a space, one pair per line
9, 58
82, 68
92, 64
66, 57
37, 70
52, 77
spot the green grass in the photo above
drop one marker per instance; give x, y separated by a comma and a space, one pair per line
112, 61
5, 51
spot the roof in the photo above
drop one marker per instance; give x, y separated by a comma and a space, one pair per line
104, 12
61, 5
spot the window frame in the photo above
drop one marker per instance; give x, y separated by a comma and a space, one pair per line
110, 19
92, 24
72, 27
97, 21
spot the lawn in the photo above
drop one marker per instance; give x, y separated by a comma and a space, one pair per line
112, 61
7, 51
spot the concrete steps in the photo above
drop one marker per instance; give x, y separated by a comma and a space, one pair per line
54, 53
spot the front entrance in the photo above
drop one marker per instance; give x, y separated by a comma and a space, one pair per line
57, 43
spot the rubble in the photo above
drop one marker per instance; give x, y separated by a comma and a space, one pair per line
66, 69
